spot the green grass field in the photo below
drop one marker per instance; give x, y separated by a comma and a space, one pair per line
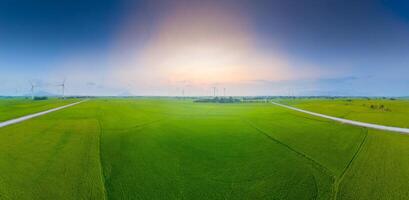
176, 149
17, 107
378, 111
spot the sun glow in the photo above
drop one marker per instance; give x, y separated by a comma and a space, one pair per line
202, 46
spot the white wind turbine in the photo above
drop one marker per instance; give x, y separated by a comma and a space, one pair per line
63, 88
32, 89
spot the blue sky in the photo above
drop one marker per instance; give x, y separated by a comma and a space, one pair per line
158, 47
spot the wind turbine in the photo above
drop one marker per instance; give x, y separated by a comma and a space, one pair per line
32, 89
63, 88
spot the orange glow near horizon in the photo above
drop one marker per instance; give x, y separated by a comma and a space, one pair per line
202, 46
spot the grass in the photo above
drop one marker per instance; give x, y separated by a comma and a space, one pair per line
175, 149
51, 157
393, 113
201, 151
381, 170
18, 107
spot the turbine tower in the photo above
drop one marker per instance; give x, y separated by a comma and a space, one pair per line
63, 88
32, 90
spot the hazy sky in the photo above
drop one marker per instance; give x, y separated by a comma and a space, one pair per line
249, 47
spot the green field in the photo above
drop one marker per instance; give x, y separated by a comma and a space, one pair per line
177, 149
378, 111
17, 107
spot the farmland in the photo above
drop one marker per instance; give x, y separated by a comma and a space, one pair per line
17, 107
379, 111
177, 149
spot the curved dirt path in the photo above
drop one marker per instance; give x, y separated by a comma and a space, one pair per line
351, 122
27, 117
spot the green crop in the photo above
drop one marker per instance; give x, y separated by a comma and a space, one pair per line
177, 149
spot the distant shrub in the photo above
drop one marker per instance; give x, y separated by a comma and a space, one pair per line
218, 100
40, 98
380, 107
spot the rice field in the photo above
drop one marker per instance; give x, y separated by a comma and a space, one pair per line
390, 112
176, 149
17, 107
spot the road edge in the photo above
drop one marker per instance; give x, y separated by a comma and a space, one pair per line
400, 130
30, 116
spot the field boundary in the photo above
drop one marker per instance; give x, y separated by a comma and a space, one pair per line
30, 116
354, 157
315, 163
350, 122
101, 171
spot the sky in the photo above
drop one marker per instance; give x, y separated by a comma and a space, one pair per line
175, 47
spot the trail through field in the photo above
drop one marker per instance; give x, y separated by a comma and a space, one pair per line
27, 117
351, 122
